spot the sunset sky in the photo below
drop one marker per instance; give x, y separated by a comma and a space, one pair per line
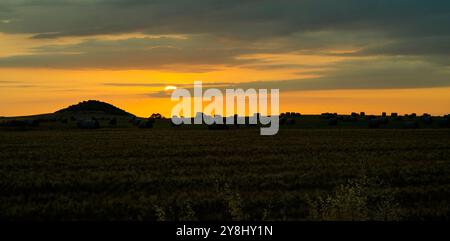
323, 55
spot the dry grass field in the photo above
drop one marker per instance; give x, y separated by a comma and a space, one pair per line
198, 174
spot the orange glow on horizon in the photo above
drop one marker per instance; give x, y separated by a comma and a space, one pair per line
27, 91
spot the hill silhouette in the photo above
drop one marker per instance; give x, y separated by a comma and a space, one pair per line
94, 106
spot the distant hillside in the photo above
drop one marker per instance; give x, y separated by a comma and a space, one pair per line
93, 106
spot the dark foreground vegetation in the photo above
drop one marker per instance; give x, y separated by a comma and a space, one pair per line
176, 173
94, 161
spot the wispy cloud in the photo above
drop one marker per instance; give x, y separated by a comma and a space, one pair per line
133, 84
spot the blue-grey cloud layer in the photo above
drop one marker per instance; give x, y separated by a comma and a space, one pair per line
409, 37
237, 18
